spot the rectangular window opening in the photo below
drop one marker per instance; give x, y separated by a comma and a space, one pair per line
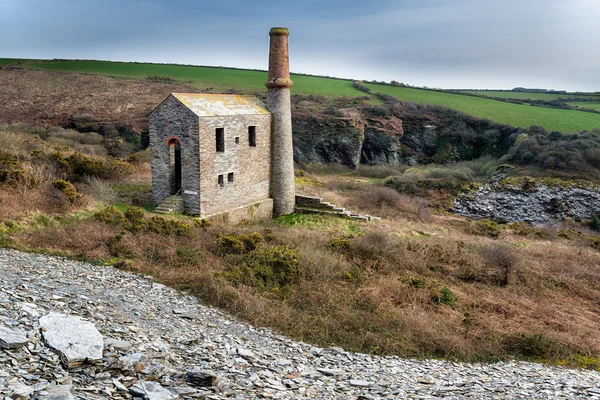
230, 177
237, 140
252, 136
221, 181
220, 136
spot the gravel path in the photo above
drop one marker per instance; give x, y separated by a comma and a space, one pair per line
159, 344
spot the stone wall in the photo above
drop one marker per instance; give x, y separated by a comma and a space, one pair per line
173, 119
259, 211
250, 165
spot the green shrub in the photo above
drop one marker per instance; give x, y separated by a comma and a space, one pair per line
78, 167
202, 223
135, 218
272, 269
167, 227
340, 243
68, 189
239, 243
488, 228
595, 225
525, 229
186, 255
111, 216
443, 296
527, 345
115, 248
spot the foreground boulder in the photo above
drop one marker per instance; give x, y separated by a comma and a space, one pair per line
73, 338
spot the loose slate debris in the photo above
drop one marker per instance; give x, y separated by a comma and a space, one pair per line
75, 339
12, 339
213, 356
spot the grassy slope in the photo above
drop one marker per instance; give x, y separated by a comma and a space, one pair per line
498, 111
218, 78
587, 104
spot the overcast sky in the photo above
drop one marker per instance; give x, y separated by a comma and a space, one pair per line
436, 43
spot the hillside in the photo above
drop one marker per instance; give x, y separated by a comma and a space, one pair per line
213, 79
418, 283
519, 115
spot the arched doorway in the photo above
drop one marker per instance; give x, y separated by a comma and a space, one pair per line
174, 165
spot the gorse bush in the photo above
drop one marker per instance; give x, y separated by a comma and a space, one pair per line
272, 269
77, 167
239, 243
595, 224
443, 295
67, 189
133, 220
167, 227
110, 216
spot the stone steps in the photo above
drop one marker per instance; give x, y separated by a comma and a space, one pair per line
170, 205
316, 205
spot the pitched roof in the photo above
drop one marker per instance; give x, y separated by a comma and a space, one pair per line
211, 105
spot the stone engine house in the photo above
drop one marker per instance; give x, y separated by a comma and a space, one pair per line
231, 155
214, 150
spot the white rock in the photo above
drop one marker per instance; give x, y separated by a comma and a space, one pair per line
57, 392
245, 353
151, 391
359, 383
12, 339
20, 391
75, 339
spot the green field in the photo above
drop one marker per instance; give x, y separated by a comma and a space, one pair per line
5, 61
586, 104
246, 81
518, 95
220, 79
498, 111
528, 95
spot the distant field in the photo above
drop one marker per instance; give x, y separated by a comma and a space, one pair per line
498, 111
4, 61
586, 104
220, 79
529, 96
518, 95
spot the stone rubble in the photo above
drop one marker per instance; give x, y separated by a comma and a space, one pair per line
536, 204
151, 351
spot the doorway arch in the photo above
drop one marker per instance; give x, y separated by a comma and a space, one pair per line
174, 146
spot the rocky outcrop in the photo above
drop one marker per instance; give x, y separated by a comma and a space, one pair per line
529, 202
349, 137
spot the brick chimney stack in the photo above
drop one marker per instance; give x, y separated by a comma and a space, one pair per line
279, 103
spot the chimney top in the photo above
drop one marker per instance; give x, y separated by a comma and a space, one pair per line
279, 63
279, 31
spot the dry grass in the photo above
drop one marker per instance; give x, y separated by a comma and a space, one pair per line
405, 285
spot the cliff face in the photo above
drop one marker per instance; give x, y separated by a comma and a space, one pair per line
349, 137
392, 133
